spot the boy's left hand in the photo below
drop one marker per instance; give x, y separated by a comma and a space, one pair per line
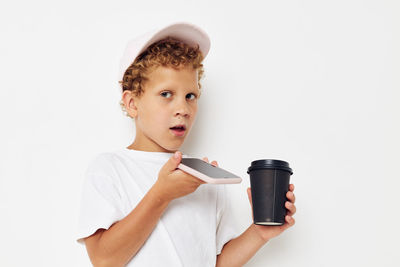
267, 232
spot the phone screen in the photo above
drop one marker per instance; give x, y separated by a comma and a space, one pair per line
207, 169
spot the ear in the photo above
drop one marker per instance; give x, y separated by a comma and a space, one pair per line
130, 103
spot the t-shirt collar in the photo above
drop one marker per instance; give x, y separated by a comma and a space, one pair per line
150, 154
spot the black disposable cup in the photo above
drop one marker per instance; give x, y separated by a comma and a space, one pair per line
269, 179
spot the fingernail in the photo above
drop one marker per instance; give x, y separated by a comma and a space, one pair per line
177, 154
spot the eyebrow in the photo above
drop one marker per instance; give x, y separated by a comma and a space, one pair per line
172, 90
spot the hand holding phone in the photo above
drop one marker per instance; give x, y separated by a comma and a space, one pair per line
207, 172
174, 183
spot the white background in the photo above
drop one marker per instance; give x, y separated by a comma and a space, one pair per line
315, 83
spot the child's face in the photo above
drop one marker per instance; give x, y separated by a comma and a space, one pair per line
170, 98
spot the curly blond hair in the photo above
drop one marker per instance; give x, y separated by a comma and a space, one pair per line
168, 52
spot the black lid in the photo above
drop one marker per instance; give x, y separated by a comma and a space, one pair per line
269, 164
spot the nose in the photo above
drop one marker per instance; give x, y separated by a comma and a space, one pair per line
182, 109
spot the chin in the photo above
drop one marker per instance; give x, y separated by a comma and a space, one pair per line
173, 148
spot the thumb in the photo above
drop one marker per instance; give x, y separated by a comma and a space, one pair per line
249, 195
251, 203
174, 161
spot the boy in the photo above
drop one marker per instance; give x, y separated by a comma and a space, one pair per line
137, 208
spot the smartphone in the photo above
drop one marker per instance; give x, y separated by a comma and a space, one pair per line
208, 172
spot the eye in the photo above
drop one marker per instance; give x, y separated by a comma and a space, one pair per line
195, 96
164, 93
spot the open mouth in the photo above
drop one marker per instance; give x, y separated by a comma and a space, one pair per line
178, 130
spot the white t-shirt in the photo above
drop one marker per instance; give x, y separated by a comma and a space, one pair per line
191, 231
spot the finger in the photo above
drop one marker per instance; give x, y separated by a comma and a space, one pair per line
249, 195
205, 159
291, 197
198, 180
291, 187
291, 208
214, 163
290, 220
251, 204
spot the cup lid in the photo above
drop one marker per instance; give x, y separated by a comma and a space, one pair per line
269, 164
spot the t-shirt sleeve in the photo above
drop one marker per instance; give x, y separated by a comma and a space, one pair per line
100, 201
226, 226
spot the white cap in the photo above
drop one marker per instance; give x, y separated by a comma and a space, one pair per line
184, 31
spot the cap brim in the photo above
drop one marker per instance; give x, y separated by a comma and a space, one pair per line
187, 32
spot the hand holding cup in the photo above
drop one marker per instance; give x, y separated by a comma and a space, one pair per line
271, 197
267, 232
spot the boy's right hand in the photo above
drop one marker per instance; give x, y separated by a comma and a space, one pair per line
174, 183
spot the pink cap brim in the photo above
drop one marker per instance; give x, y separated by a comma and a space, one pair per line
187, 32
